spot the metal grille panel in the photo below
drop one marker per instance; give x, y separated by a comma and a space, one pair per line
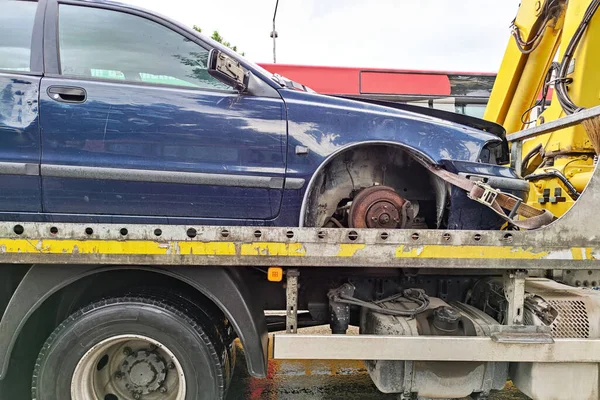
572, 320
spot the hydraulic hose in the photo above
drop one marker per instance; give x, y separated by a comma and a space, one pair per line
556, 174
562, 81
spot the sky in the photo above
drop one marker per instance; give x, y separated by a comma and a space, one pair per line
465, 35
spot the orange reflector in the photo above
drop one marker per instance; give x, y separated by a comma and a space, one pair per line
275, 274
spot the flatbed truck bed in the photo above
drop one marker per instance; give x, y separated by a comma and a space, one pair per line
51, 270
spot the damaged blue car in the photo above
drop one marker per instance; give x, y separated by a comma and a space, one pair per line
110, 113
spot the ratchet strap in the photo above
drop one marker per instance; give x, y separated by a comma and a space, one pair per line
505, 205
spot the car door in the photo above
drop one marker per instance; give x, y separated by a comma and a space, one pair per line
133, 124
20, 74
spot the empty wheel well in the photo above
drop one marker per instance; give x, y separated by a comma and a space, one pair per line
367, 165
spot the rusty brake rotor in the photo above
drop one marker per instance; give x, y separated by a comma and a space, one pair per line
380, 207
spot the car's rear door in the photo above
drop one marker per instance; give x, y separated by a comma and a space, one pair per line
134, 125
20, 75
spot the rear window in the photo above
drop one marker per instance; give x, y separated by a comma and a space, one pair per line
16, 27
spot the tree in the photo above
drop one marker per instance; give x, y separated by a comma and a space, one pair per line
218, 38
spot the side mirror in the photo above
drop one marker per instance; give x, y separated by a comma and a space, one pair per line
227, 70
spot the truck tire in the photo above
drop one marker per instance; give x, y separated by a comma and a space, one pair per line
128, 348
215, 325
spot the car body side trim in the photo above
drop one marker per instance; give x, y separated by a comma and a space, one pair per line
143, 175
13, 168
294, 183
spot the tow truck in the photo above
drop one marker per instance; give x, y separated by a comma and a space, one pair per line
120, 311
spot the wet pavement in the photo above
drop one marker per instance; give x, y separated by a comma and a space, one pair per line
322, 380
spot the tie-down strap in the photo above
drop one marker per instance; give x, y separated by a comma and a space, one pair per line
505, 205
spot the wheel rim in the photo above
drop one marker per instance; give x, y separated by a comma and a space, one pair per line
128, 367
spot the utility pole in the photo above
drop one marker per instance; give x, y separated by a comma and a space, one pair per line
274, 34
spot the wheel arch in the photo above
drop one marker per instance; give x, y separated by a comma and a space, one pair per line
418, 155
223, 286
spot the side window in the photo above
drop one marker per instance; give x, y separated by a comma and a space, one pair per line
472, 110
16, 27
108, 44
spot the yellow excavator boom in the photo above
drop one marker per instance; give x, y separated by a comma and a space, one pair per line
554, 44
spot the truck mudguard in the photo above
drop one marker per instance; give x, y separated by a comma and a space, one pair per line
223, 286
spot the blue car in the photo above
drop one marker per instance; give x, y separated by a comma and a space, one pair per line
113, 114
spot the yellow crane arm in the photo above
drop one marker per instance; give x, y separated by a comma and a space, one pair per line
536, 34
558, 164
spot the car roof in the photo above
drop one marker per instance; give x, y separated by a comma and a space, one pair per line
120, 3
115, 3
129, 6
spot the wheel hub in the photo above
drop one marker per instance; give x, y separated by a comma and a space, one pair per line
380, 207
128, 367
144, 372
